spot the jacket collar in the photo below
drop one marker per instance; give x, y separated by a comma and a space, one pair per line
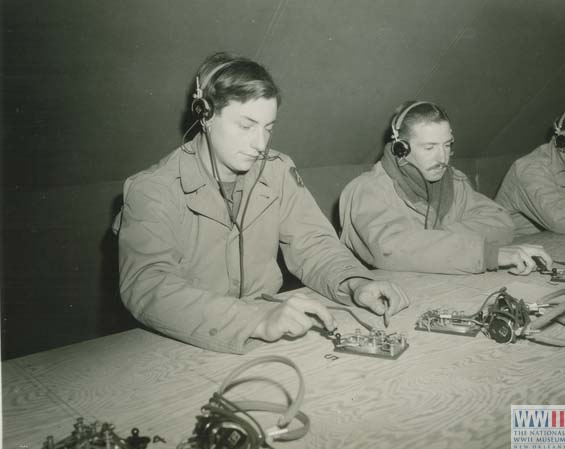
202, 193
193, 174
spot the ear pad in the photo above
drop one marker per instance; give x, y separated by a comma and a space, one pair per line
202, 109
219, 429
400, 148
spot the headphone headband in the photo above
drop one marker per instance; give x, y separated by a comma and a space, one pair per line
202, 86
400, 147
399, 117
202, 107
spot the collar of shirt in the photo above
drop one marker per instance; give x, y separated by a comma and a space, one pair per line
203, 193
194, 174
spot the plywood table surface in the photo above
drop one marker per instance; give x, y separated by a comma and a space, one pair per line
444, 392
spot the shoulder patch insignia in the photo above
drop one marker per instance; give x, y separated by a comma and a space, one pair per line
296, 177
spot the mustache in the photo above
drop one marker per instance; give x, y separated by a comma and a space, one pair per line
442, 164
439, 165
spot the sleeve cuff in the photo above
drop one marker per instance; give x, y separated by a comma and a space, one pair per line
230, 335
348, 273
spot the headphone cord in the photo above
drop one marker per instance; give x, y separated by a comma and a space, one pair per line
220, 413
233, 219
485, 302
183, 138
241, 270
294, 408
438, 202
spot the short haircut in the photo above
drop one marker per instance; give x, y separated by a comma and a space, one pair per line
425, 112
225, 78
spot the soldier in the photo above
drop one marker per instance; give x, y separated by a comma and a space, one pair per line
533, 190
200, 230
414, 212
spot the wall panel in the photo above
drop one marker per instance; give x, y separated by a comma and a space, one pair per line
96, 91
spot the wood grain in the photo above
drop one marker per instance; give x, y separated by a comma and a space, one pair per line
444, 392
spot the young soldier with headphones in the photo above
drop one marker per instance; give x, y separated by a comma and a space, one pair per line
533, 190
200, 231
414, 212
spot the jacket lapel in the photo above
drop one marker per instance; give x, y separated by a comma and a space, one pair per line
203, 197
261, 198
200, 195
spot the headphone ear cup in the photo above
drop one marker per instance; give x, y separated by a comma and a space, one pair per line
400, 148
222, 429
202, 109
228, 434
501, 329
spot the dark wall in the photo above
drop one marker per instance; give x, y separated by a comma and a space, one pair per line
95, 91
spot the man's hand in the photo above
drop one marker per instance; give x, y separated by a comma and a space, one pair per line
290, 318
520, 258
377, 296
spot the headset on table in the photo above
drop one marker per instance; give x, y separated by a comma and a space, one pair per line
228, 424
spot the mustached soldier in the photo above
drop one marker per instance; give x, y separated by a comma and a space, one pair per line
414, 212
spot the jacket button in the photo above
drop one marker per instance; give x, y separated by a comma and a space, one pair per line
213, 331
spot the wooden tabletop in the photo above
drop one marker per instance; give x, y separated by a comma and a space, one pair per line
445, 391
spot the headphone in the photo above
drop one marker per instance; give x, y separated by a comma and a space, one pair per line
202, 107
401, 147
505, 317
559, 132
224, 423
